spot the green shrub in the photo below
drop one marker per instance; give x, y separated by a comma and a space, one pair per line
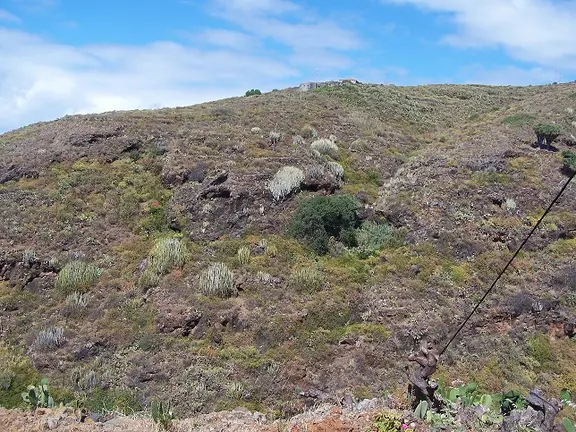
155, 221
76, 276
217, 280
16, 373
148, 279
319, 218
309, 132
540, 349
161, 414
253, 92
519, 119
387, 422
105, 401
371, 236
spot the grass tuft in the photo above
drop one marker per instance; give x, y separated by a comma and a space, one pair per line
243, 255
217, 280
76, 276
166, 254
306, 279
49, 339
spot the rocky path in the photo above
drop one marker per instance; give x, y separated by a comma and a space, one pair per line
325, 418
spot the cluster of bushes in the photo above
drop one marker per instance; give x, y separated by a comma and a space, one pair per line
253, 92
289, 178
545, 135
320, 218
326, 152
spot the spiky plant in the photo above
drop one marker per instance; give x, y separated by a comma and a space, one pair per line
50, 338
243, 255
217, 280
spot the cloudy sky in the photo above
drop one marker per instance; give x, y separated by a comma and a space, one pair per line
61, 57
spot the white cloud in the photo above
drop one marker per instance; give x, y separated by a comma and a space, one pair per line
273, 44
303, 30
538, 31
227, 38
41, 80
9, 17
256, 7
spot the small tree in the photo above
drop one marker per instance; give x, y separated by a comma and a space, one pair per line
253, 92
546, 134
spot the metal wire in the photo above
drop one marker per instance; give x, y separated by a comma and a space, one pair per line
508, 264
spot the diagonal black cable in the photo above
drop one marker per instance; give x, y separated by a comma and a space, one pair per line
509, 262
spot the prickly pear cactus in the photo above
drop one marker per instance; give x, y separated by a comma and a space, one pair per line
38, 396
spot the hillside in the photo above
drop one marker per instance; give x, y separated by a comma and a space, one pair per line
450, 173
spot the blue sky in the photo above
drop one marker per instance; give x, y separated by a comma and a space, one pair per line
61, 57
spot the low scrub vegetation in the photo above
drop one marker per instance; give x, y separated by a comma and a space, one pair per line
519, 119
371, 237
243, 255
16, 374
569, 161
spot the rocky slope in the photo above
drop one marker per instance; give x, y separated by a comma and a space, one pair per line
452, 169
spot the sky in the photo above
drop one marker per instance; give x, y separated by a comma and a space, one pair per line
60, 57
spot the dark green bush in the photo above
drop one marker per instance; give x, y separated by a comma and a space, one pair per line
319, 218
569, 159
547, 133
253, 92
